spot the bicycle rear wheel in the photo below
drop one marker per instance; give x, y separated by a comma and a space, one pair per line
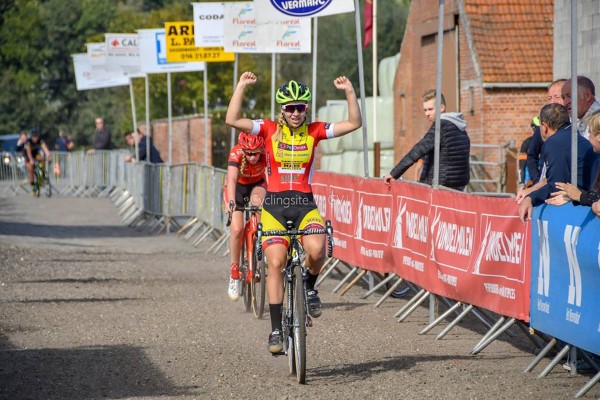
299, 326
245, 290
258, 284
48, 188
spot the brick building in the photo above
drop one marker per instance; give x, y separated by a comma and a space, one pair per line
188, 139
497, 64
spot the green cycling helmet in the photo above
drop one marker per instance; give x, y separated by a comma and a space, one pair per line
292, 91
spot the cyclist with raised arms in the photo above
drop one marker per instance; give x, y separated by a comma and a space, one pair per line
245, 179
35, 149
290, 144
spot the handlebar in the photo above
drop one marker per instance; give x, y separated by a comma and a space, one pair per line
328, 230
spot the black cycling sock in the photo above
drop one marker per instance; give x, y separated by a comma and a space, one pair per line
311, 281
275, 310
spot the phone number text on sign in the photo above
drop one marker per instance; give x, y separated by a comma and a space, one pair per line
181, 45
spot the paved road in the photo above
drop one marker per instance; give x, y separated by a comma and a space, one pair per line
92, 309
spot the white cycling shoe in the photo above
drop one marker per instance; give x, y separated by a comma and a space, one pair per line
234, 289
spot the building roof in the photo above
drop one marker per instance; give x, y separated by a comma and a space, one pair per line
513, 39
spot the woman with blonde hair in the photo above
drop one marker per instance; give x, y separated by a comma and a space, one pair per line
290, 144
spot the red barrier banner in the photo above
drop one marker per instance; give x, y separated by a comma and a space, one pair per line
453, 229
464, 247
336, 197
373, 226
410, 238
480, 252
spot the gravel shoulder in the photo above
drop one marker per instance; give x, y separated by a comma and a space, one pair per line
92, 309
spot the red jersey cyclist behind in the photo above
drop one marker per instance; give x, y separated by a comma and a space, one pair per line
245, 179
290, 144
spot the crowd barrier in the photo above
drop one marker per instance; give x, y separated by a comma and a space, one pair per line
465, 250
565, 286
468, 248
473, 251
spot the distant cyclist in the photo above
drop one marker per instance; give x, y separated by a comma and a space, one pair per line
245, 179
290, 144
35, 149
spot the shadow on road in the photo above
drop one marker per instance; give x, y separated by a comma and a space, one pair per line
364, 371
83, 373
66, 232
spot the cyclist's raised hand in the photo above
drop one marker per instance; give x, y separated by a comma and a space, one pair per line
247, 78
343, 83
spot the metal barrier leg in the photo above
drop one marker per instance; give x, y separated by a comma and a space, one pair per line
440, 318
187, 225
476, 312
454, 322
125, 195
589, 359
540, 356
133, 216
410, 302
354, 281
493, 337
224, 243
588, 385
204, 235
346, 279
413, 307
328, 270
192, 232
554, 361
489, 333
224, 237
525, 330
380, 284
389, 292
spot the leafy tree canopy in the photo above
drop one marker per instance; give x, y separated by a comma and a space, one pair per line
37, 38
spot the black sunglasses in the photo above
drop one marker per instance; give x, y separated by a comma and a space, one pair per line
294, 107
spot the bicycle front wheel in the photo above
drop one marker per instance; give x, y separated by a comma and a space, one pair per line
48, 189
287, 323
245, 290
299, 326
258, 285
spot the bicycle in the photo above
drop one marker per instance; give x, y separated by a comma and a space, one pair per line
41, 179
295, 318
252, 270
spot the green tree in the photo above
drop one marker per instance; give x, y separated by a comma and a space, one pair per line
37, 38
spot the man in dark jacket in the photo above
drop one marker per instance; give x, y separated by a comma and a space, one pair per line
131, 138
555, 128
102, 139
455, 147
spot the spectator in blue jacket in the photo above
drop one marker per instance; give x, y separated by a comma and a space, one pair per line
535, 145
568, 192
555, 129
131, 138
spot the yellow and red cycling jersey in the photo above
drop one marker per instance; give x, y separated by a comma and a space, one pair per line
290, 160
